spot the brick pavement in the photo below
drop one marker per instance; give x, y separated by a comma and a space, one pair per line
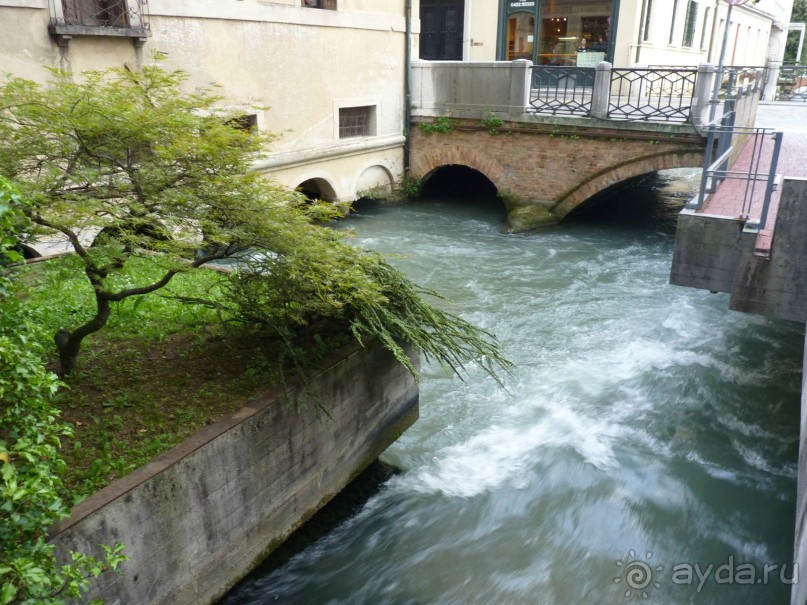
735, 199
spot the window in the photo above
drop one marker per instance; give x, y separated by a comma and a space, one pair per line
326, 4
690, 21
356, 121
672, 23
119, 18
247, 122
647, 20
705, 29
442, 25
96, 13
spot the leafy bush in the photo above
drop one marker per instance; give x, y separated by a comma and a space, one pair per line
30, 433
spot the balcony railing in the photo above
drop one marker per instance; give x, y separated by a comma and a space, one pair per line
128, 18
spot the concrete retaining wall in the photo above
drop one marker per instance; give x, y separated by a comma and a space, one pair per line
715, 253
197, 519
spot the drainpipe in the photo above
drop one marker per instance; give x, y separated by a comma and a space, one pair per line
408, 86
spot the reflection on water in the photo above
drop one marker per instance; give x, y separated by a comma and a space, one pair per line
646, 428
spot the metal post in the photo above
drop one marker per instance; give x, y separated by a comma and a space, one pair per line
719, 78
777, 147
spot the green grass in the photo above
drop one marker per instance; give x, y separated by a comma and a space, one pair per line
157, 373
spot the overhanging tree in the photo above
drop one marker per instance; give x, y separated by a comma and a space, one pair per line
125, 163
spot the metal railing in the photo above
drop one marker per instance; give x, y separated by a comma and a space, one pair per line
663, 94
657, 94
737, 76
746, 155
562, 90
792, 83
111, 14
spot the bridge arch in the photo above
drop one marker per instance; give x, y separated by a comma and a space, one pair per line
458, 181
425, 165
624, 172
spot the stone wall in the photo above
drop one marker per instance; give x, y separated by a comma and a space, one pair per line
198, 518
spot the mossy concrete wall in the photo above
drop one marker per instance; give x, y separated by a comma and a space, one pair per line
197, 519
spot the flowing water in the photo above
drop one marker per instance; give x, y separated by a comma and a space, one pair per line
646, 433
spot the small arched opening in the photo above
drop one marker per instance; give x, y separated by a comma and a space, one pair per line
317, 189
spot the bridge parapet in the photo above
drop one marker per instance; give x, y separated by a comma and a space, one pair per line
521, 91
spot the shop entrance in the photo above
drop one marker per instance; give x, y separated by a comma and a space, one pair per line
558, 32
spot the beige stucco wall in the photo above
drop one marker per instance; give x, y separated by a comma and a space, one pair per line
748, 39
298, 65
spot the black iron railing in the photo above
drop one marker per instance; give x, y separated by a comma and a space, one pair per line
562, 90
654, 94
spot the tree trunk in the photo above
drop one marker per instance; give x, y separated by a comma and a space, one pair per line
68, 344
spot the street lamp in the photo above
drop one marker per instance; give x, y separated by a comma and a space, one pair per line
719, 76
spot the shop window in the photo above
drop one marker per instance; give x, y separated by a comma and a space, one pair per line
356, 121
564, 26
690, 21
326, 4
520, 36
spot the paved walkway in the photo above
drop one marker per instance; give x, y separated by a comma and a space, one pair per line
733, 198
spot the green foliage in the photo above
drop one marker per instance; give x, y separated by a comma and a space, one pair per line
341, 285
30, 466
441, 124
153, 168
799, 15
492, 122
409, 188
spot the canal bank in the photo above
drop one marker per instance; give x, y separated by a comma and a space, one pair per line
195, 520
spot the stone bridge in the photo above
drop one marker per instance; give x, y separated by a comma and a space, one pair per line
543, 171
500, 120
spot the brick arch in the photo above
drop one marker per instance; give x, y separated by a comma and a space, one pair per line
623, 172
426, 164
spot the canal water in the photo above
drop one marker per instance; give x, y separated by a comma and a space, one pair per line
645, 448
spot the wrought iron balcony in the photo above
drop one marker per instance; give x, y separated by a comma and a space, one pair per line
124, 18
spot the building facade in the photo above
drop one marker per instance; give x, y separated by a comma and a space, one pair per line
625, 32
326, 76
